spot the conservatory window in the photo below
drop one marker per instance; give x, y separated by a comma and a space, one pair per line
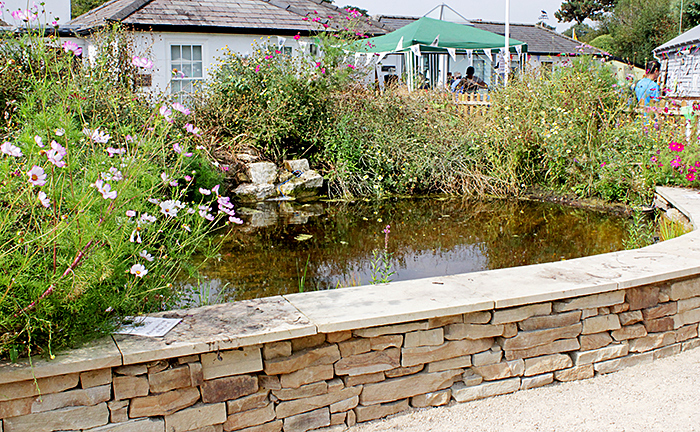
186, 67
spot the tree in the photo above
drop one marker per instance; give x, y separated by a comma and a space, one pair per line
580, 10
79, 7
639, 26
584, 32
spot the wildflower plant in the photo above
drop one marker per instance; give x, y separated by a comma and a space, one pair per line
101, 211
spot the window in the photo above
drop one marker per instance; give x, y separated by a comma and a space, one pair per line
186, 67
287, 50
313, 49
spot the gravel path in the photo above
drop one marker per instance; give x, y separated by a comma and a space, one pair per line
659, 396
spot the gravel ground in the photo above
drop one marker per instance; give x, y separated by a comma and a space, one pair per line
659, 396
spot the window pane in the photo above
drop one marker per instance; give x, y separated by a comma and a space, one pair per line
177, 66
187, 52
175, 52
187, 86
187, 69
196, 52
197, 69
175, 86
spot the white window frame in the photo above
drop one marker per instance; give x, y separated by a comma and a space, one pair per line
176, 83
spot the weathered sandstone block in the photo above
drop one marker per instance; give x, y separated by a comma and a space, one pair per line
95, 378
601, 354
453, 363
544, 364
231, 362
592, 301
308, 421
691, 344
381, 343
371, 362
307, 390
652, 341
345, 405
119, 411
157, 366
273, 426
354, 346
127, 387
307, 376
684, 289
471, 378
494, 355
305, 342
686, 332
629, 318
558, 346
481, 317
500, 370
437, 398
520, 313
254, 401
550, 321
338, 419
132, 370
424, 338
600, 324
587, 313
24, 389
326, 355
662, 310
351, 381
140, 425
196, 374
536, 381
688, 317
262, 172
188, 359
169, 379
575, 373
660, 324
277, 349
623, 362
65, 419
462, 393
530, 339
619, 308
163, 403
642, 297
334, 385
402, 371
405, 387
667, 351
629, 332
595, 341
419, 355
472, 331
340, 336
391, 329
196, 417
443, 321
80, 397
298, 406
254, 417
233, 387
366, 413
688, 304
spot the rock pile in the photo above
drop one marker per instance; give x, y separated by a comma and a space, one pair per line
264, 181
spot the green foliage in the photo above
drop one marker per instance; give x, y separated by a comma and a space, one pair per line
639, 26
584, 32
691, 14
604, 42
580, 10
79, 7
101, 232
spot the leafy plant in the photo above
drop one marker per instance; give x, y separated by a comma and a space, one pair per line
381, 266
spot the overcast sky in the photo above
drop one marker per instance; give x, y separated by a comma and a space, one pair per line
521, 11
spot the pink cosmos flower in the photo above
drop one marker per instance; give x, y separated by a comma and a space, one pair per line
180, 107
297, 36
192, 129
97, 135
690, 177
142, 62
351, 66
73, 47
138, 270
55, 155
111, 151
26, 15
145, 255
130, 213
37, 176
105, 190
170, 207
235, 220
166, 113
11, 149
38, 141
178, 150
44, 200
676, 162
677, 147
268, 57
204, 191
257, 68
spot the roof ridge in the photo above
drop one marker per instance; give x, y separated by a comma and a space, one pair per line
128, 10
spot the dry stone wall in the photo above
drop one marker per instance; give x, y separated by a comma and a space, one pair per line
332, 381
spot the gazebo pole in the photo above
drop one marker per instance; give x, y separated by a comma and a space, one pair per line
506, 55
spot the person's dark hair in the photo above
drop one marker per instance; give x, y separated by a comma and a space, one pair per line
470, 70
653, 66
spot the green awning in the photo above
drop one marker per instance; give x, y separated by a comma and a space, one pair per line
424, 33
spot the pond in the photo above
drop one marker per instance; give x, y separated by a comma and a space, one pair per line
287, 247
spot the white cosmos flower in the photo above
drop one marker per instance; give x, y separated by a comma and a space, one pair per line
138, 270
145, 255
11, 149
44, 199
169, 208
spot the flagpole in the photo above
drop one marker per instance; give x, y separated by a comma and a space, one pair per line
506, 56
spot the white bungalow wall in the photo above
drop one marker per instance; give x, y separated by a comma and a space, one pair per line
681, 74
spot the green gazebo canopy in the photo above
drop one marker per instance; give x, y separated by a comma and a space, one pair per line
424, 33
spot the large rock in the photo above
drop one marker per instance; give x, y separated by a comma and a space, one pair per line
451, 349
642, 297
307, 185
231, 362
308, 421
298, 406
64, 419
262, 173
550, 321
462, 393
312, 357
296, 165
405, 387
249, 418
195, 417
557, 346
250, 193
530, 339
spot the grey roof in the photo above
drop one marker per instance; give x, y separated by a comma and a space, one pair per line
687, 38
539, 40
251, 15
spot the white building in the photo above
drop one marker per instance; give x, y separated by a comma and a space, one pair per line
680, 64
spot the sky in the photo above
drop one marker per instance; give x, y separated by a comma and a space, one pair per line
521, 11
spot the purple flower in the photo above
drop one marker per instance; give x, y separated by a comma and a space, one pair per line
37, 176
55, 155
26, 15
180, 107
178, 150
166, 113
105, 189
192, 129
111, 151
38, 141
130, 213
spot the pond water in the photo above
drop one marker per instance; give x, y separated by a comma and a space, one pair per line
287, 247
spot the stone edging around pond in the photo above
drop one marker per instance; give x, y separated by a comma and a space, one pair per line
306, 361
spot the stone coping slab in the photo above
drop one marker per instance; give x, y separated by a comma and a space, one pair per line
254, 322
218, 327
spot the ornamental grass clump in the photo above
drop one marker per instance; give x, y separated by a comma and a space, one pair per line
104, 198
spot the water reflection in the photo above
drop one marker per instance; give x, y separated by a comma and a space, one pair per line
287, 247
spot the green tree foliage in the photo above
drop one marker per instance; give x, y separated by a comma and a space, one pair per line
691, 14
639, 26
580, 10
79, 7
604, 42
584, 32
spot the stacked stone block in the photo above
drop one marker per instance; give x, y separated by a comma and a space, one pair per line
329, 381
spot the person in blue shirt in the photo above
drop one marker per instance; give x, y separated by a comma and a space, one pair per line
647, 89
